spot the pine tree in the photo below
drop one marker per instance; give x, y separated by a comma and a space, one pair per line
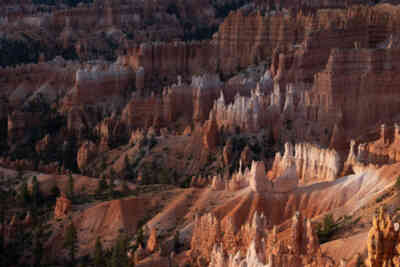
126, 162
99, 254
176, 242
70, 192
55, 192
71, 243
24, 195
111, 187
119, 256
101, 186
103, 164
35, 191
113, 174
3, 208
125, 187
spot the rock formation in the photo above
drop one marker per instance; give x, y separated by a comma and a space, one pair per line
63, 205
210, 134
245, 113
86, 152
152, 241
205, 92
167, 60
302, 249
383, 242
311, 163
100, 84
254, 177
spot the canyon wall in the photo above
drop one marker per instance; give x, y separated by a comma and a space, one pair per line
100, 83
166, 61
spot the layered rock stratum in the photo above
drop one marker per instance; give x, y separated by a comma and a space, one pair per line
205, 133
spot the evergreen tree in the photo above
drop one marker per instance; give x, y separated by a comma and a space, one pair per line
119, 256
69, 154
140, 236
55, 192
176, 242
71, 243
99, 254
70, 190
3, 208
111, 187
126, 162
125, 187
35, 191
24, 195
113, 174
103, 164
101, 185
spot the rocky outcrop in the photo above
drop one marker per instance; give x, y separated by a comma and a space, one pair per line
167, 60
254, 177
101, 84
142, 112
218, 183
201, 244
111, 132
205, 91
18, 124
301, 249
136, 137
383, 242
245, 113
49, 79
227, 152
86, 153
152, 241
246, 156
63, 205
383, 150
210, 134
311, 163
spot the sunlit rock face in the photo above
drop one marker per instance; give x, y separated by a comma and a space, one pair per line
383, 241
62, 207
265, 250
309, 163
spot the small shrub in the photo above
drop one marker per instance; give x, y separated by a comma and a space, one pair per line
327, 228
397, 184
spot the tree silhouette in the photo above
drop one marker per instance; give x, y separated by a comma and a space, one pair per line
71, 243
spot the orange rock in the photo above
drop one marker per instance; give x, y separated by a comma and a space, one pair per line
63, 205
152, 241
383, 242
210, 134
86, 152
